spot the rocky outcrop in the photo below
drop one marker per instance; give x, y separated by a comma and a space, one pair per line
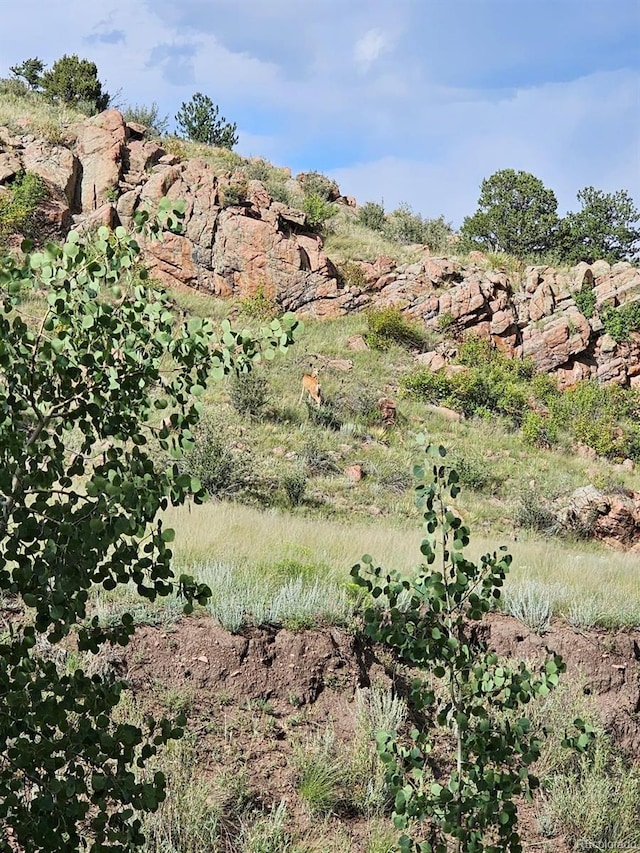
243, 243
258, 245
613, 518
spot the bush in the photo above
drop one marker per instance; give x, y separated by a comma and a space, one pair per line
147, 116
538, 431
621, 322
529, 602
295, 485
259, 305
533, 514
405, 226
318, 211
222, 471
13, 87
324, 415
585, 299
387, 326
604, 417
234, 193
19, 205
351, 274
372, 216
248, 393
314, 183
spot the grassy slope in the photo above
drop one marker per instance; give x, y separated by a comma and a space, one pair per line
340, 520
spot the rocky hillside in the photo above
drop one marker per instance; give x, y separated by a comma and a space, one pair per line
262, 245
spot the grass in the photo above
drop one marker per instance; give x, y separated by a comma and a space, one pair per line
348, 240
34, 114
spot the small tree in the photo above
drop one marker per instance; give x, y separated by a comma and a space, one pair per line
607, 227
429, 619
82, 392
30, 70
200, 121
75, 81
516, 214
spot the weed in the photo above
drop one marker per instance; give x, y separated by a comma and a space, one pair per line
259, 305
189, 819
595, 806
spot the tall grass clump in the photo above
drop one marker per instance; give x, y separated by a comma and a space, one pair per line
189, 819
242, 597
529, 602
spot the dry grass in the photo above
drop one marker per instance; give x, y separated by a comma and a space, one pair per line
241, 535
350, 241
33, 114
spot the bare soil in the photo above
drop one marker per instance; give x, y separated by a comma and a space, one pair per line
251, 698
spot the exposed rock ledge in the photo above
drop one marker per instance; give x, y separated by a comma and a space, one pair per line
111, 170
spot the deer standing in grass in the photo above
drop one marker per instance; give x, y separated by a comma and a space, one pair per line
311, 387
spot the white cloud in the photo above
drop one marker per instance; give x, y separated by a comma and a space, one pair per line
368, 48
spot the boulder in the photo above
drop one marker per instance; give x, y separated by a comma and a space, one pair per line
100, 147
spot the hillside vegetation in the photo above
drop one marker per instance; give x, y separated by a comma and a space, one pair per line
286, 695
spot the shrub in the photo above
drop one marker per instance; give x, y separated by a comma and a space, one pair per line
621, 322
13, 87
19, 205
148, 116
529, 602
596, 806
447, 324
386, 326
259, 305
538, 431
222, 471
325, 415
318, 211
534, 514
234, 193
351, 274
372, 216
248, 393
314, 183
585, 299
405, 226
295, 485
604, 417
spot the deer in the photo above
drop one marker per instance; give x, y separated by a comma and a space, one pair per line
311, 386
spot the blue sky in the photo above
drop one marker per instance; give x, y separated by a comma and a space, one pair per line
400, 100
